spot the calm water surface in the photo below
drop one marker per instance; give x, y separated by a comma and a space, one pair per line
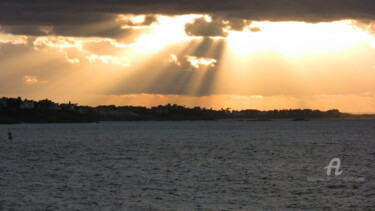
221, 165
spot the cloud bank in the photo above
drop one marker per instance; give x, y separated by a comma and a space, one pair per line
78, 18
215, 26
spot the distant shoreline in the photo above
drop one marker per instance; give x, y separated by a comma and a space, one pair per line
17, 110
196, 120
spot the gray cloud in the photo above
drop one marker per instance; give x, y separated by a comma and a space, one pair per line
23, 29
237, 24
217, 27
48, 12
98, 18
111, 28
200, 27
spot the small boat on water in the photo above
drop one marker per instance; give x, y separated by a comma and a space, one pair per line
10, 135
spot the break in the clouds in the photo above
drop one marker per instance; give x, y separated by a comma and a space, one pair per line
101, 18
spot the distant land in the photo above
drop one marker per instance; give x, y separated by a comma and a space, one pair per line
18, 110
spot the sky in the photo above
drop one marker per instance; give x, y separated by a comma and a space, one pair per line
238, 54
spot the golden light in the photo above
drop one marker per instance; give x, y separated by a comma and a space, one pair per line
295, 39
269, 65
167, 30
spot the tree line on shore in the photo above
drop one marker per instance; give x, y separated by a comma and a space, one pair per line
17, 110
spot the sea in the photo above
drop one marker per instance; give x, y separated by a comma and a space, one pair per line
189, 165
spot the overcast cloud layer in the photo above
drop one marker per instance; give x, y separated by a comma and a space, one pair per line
87, 11
76, 18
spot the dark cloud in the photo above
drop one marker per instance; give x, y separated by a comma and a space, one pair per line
24, 29
201, 27
217, 27
237, 24
66, 30
48, 12
111, 28
81, 18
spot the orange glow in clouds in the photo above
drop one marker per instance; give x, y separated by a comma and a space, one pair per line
267, 65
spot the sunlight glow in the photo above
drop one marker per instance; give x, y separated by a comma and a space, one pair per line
268, 65
168, 30
296, 38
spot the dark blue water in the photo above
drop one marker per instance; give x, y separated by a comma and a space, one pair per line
219, 165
